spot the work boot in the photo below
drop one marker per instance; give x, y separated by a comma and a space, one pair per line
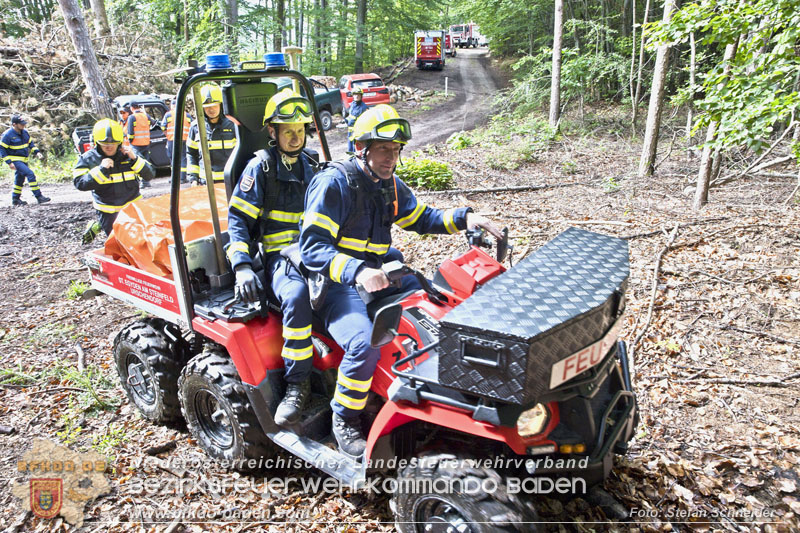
42, 199
92, 230
18, 201
294, 400
348, 434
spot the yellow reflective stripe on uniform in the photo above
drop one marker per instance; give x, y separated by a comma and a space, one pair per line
410, 219
17, 146
297, 354
217, 175
284, 216
282, 236
106, 208
245, 207
17, 158
99, 177
193, 169
138, 165
4, 145
237, 246
192, 143
18, 188
78, 172
349, 402
324, 222
215, 145
350, 243
449, 222
337, 266
353, 384
297, 334
379, 249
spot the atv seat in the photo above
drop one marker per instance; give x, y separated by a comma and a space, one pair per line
244, 103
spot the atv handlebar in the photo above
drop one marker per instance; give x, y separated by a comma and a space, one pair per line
396, 271
478, 237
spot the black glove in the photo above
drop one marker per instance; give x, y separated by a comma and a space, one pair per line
248, 286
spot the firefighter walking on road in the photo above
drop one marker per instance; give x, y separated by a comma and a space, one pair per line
15, 148
221, 138
111, 171
138, 130
357, 106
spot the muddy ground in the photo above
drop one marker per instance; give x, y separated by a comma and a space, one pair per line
715, 367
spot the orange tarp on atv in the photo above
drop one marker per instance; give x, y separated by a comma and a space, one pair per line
143, 232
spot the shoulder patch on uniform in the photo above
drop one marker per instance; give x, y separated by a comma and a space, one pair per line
247, 182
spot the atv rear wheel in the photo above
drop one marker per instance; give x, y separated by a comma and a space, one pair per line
465, 506
149, 355
217, 411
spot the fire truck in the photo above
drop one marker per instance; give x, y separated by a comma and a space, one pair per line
429, 48
465, 35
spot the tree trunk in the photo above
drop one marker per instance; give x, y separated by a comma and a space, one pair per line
706, 160
633, 51
555, 80
638, 93
185, 21
575, 33
361, 18
323, 34
626, 20
231, 28
342, 44
690, 111
648, 159
100, 18
87, 60
280, 20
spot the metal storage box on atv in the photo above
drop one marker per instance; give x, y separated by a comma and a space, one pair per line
515, 339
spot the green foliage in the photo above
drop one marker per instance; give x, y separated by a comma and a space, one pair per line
426, 174
610, 184
71, 424
76, 289
111, 438
459, 140
511, 140
761, 89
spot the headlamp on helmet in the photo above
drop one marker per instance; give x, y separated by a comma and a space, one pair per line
288, 107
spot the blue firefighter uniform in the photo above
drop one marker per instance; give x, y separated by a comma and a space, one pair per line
279, 227
16, 147
112, 188
338, 246
221, 142
353, 112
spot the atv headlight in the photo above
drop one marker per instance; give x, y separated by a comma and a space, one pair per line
532, 421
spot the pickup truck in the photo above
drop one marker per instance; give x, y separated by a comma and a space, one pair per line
329, 101
155, 107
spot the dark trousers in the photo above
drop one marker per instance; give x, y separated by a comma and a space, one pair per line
22, 173
107, 221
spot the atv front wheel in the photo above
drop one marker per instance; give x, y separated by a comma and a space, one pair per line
149, 355
441, 492
217, 411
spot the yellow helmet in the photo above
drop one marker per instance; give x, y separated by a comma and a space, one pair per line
107, 131
381, 123
210, 95
287, 107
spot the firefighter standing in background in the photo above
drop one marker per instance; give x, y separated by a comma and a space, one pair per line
111, 171
168, 125
15, 147
221, 138
267, 202
138, 129
357, 106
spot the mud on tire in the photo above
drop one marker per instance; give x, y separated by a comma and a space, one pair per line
149, 356
476, 511
218, 412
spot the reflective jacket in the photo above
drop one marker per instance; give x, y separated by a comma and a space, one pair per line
168, 125
355, 110
139, 129
221, 142
16, 146
246, 213
339, 252
112, 188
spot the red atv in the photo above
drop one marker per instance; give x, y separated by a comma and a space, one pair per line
489, 378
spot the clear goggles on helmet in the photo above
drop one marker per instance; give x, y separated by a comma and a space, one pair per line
394, 129
109, 143
292, 107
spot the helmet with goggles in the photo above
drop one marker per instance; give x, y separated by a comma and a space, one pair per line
107, 131
381, 123
288, 107
210, 95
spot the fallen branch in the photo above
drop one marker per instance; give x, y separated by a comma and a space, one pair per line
759, 334
499, 189
686, 225
789, 198
653, 291
754, 165
777, 382
81, 357
669, 151
595, 222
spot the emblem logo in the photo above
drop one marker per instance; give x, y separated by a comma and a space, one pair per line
247, 182
46, 496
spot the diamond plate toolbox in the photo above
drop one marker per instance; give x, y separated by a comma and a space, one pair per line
502, 342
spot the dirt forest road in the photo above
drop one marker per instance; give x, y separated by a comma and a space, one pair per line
470, 78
